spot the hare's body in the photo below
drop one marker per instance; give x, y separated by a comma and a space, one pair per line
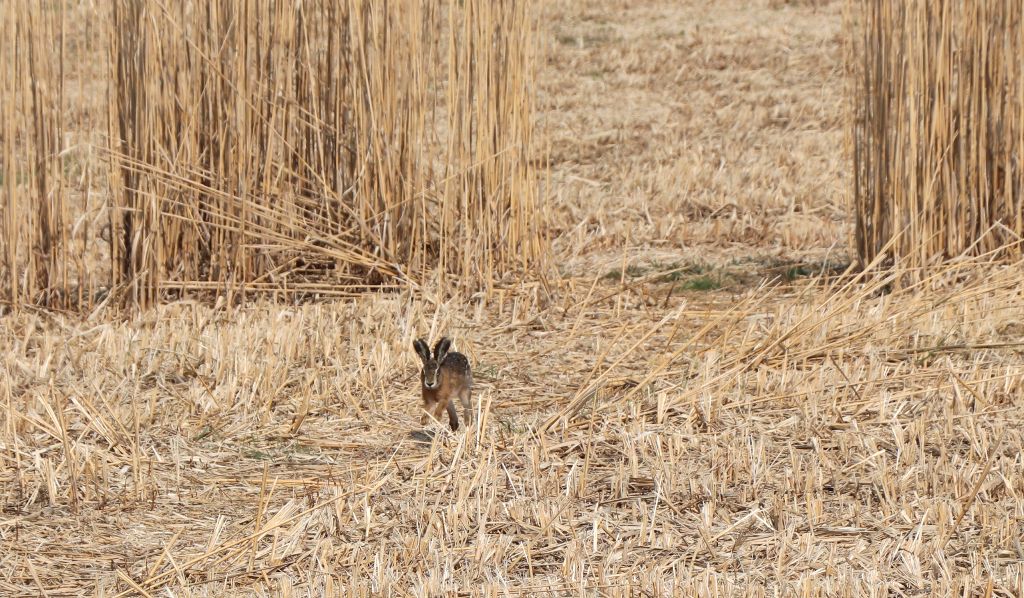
446, 376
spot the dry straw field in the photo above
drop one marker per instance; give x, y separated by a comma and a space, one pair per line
223, 225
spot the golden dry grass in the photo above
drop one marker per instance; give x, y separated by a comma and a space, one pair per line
643, 432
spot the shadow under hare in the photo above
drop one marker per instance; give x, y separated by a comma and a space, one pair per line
446, 376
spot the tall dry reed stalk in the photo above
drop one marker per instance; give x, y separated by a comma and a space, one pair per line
326, 145
938, 135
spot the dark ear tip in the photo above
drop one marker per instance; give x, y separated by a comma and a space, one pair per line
442, 345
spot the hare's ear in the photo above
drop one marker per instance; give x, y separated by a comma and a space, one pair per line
422, 349
441, 348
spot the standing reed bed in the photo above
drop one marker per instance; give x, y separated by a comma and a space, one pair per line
938, 133
325, 147
266, 146
490, 202
34, 263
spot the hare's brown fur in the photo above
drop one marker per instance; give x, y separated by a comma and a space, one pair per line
446, 375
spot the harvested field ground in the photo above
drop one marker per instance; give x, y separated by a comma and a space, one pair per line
700, 400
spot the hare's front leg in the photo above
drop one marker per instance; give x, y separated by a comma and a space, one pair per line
429, 408
453, 419
439, 408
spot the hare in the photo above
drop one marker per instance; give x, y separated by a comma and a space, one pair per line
446, 376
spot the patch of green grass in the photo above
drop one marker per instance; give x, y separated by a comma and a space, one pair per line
673, 274
676, 271
257, 455
631, 272
304, 449
603, 35
205, 432
695, 276
797, 272
511, 427
701, 283
485, 372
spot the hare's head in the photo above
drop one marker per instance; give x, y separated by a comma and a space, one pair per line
432, 363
